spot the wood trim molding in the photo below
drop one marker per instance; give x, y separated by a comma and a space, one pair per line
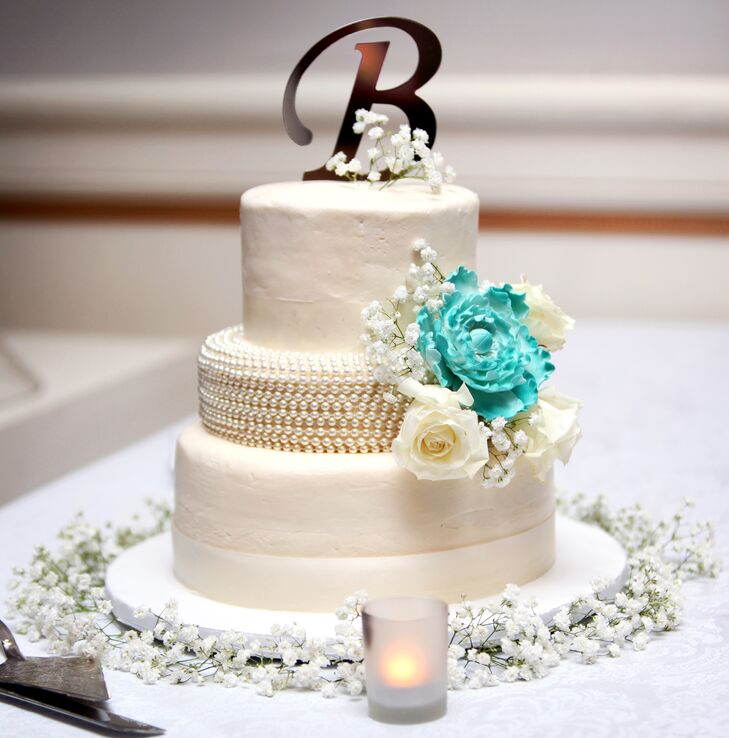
225, 212
607, 222
221, 212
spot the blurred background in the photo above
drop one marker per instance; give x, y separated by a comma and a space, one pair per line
596, 135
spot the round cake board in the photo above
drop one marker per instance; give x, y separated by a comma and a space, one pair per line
143, 576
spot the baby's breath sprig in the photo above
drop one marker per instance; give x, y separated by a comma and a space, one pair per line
390, 330
507, 442
400, 155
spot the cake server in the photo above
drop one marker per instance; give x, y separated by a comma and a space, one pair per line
74, 676
86, 712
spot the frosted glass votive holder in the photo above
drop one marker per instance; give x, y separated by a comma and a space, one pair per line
406, 658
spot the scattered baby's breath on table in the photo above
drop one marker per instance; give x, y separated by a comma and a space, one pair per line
59, 598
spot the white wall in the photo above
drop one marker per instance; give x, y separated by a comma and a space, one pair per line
139, 37
572, 104
650, 144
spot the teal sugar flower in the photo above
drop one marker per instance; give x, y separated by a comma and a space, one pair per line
478, 339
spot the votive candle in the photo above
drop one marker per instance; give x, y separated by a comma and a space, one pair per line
406, 658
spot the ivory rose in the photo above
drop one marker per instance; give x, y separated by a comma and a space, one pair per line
438, 438
546, 321
554, 433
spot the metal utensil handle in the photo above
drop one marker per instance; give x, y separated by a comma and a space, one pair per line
7, 640
86, 712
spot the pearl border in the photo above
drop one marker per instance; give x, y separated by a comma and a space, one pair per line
293, 401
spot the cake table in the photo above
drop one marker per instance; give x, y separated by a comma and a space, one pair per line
676, 687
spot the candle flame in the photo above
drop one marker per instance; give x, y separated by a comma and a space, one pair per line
403, 665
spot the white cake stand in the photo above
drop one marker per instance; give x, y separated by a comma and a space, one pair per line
143, 575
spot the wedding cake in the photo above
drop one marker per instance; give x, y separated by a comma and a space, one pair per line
335, 451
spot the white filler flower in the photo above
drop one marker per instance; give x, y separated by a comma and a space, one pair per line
546, 321
438, 439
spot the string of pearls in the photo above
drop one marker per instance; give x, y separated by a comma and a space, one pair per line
293, 401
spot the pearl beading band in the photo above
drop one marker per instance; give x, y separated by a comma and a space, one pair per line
292, 401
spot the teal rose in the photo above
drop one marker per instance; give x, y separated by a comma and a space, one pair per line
478, 338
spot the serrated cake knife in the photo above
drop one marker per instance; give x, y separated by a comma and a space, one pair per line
74, 676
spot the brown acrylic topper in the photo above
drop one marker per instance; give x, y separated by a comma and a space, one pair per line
365, 92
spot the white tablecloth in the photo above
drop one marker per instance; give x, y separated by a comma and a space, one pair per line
656, 426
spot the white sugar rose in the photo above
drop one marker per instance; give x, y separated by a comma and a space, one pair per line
554, 433
546, 321
438, 438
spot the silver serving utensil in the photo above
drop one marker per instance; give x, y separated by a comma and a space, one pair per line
73, 676
86, 712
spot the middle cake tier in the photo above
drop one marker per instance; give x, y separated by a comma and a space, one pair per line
291, 400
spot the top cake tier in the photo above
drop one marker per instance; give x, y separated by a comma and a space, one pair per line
315, 253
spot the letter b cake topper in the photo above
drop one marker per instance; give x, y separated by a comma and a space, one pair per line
365, 92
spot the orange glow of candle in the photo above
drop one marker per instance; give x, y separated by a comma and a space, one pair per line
403, 665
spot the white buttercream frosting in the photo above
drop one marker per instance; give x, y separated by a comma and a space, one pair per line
265, 503
315, 253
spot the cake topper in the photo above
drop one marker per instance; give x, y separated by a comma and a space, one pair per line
365, 92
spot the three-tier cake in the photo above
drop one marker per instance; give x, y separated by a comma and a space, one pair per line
287, 495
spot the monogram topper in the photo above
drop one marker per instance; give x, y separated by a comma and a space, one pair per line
365, 92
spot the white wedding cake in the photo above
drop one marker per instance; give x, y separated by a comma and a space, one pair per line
287, 493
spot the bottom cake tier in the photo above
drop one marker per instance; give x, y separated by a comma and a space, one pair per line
298, 531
